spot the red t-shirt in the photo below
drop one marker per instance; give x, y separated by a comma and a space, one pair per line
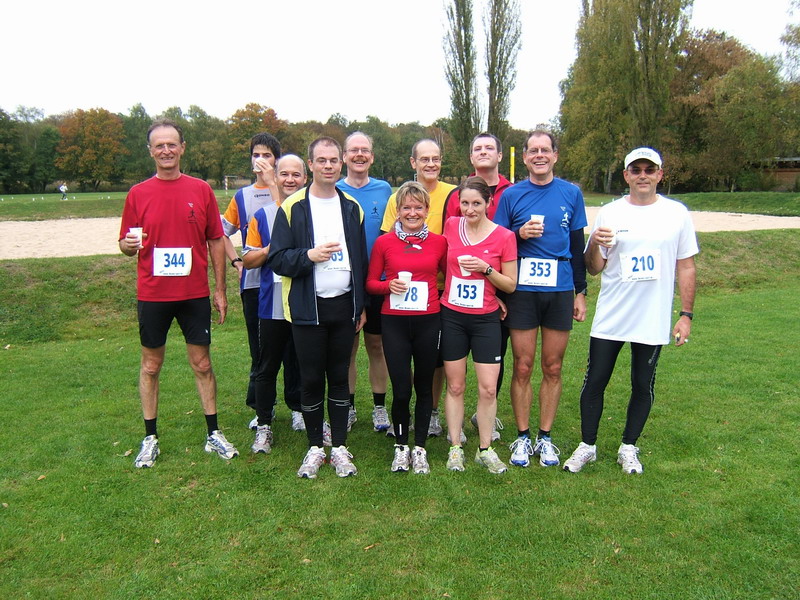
391, 255
175, 214
498, 247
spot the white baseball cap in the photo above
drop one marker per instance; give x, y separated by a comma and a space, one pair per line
643, 154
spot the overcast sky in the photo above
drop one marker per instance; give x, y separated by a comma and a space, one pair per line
307, 59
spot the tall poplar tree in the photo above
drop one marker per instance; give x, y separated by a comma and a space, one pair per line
459, 50
503, 30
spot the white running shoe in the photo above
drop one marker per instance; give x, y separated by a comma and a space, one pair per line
435, 427
216, 442
341, 459
547, 451
263, 441
419, 461
298, 424
498, 425
326, 434
380, 419
455, 459
148, 453
462, 437
489, 459
253, 425
402, 459
583, 455
352, 417
311, 463
521, 449
628, 457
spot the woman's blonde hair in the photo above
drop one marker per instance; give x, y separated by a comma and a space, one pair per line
412, 189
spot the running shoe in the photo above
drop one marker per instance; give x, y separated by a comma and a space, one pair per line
216, 442
298, 424
455, 459
148, 453
547, 451
498, 425
380, 419
253, 425
521, 449
402, 459
326, 434
489, 459
419, 461
341, 459
435, 427
628, 457
583, 455
462, 438
311, 463
352, 417
263, 441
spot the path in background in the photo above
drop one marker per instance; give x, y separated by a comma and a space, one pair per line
88, 237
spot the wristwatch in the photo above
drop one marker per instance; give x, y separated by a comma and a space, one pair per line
685, 313
489, 270
235, 260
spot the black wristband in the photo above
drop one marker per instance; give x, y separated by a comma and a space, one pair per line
685, 313
235, 260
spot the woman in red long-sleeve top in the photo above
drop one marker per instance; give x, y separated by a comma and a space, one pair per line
409, 317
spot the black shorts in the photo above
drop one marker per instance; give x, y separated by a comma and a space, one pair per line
155, 319
373, 308
529, 310
462, 332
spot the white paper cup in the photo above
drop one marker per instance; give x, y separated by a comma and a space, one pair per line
256, 168
464, 272
613, 241
537, 219
137, 231
404, 276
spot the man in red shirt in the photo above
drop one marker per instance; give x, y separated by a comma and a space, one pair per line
171, 222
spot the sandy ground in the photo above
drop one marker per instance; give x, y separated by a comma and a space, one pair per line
87, 237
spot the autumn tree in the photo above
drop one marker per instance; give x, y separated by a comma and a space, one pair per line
503, 29
210, 144
138, 165
460, 61
244, 124
11, 155
91, 143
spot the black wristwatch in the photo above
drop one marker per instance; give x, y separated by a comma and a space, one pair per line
685, 313
489, 270
235, 260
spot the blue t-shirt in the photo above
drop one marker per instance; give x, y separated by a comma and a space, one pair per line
372, 198
561, 203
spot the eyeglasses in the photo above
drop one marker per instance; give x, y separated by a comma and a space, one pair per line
639, 170
425, 160
538, 151
162, 147
365, 151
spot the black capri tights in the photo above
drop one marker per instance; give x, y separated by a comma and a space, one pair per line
602, 358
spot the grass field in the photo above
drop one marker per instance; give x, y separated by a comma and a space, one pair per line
715, 516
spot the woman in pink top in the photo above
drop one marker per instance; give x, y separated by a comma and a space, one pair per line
481, 258
410, 257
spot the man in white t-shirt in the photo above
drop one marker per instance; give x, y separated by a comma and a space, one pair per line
639, 243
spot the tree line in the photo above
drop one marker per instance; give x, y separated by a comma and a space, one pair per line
718, 112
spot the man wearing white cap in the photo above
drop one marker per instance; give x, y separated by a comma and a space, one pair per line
638, 244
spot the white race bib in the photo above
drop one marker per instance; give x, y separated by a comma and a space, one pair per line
467, 293
641, 266
339, 261
172, 262
541, 272
415, 298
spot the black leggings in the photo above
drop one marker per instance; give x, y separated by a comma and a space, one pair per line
602, 358
406, 337
324, 352
275, 347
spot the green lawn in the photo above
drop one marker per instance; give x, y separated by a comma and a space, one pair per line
715, 515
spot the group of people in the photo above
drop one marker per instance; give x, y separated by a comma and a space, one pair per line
431, 273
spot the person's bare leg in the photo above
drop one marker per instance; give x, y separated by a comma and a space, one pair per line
455, 371
200, 361
352, 372
554, 345
378, 373
523, 346
149, 370
487, 401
